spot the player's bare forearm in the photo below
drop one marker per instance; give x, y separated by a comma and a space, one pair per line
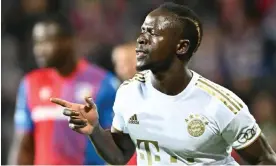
260, 152
115, 148
269, 156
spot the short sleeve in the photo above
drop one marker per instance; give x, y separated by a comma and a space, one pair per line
22, 118
242, 130
118, 119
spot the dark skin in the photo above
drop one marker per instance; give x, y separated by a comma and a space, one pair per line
157, 46
259, 152
161, 49
54, 51
51, 49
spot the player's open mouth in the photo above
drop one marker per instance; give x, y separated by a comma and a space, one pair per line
140, 54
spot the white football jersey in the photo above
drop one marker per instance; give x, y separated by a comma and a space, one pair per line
200, 125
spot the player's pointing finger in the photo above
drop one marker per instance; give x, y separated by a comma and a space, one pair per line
61, 102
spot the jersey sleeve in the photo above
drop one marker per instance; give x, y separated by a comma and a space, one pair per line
118, 120
242, 130
105, 100
22, 118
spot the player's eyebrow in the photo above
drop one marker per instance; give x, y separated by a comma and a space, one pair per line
148, 25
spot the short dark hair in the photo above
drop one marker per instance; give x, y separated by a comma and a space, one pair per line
66, 27
190, 21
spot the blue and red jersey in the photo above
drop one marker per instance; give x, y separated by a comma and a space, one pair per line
55, 143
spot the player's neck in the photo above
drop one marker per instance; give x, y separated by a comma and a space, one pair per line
68, 67
172, 81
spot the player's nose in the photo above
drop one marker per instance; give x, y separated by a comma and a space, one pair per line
142, 39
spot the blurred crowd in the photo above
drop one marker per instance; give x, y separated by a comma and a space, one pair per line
238, 48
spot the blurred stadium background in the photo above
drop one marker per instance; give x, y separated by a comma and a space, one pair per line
238, 48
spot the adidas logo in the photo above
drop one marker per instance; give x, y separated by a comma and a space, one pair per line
133, 119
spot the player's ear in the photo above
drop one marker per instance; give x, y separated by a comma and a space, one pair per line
182, 47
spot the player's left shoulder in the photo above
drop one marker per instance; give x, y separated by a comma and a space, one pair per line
221, 99
231, 101
222, 105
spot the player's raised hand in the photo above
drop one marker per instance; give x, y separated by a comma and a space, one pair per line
82, 117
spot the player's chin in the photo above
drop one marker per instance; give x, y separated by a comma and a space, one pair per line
41, 63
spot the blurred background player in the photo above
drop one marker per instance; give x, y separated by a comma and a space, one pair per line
124, 60
42, 135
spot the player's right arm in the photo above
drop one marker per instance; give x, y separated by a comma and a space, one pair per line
22, 149
114, 146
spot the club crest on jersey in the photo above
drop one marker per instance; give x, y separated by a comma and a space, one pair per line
196, 125
83, 89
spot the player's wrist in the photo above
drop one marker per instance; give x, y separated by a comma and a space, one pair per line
95, 129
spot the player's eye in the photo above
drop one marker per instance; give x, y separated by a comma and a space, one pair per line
152, 33
143, 30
